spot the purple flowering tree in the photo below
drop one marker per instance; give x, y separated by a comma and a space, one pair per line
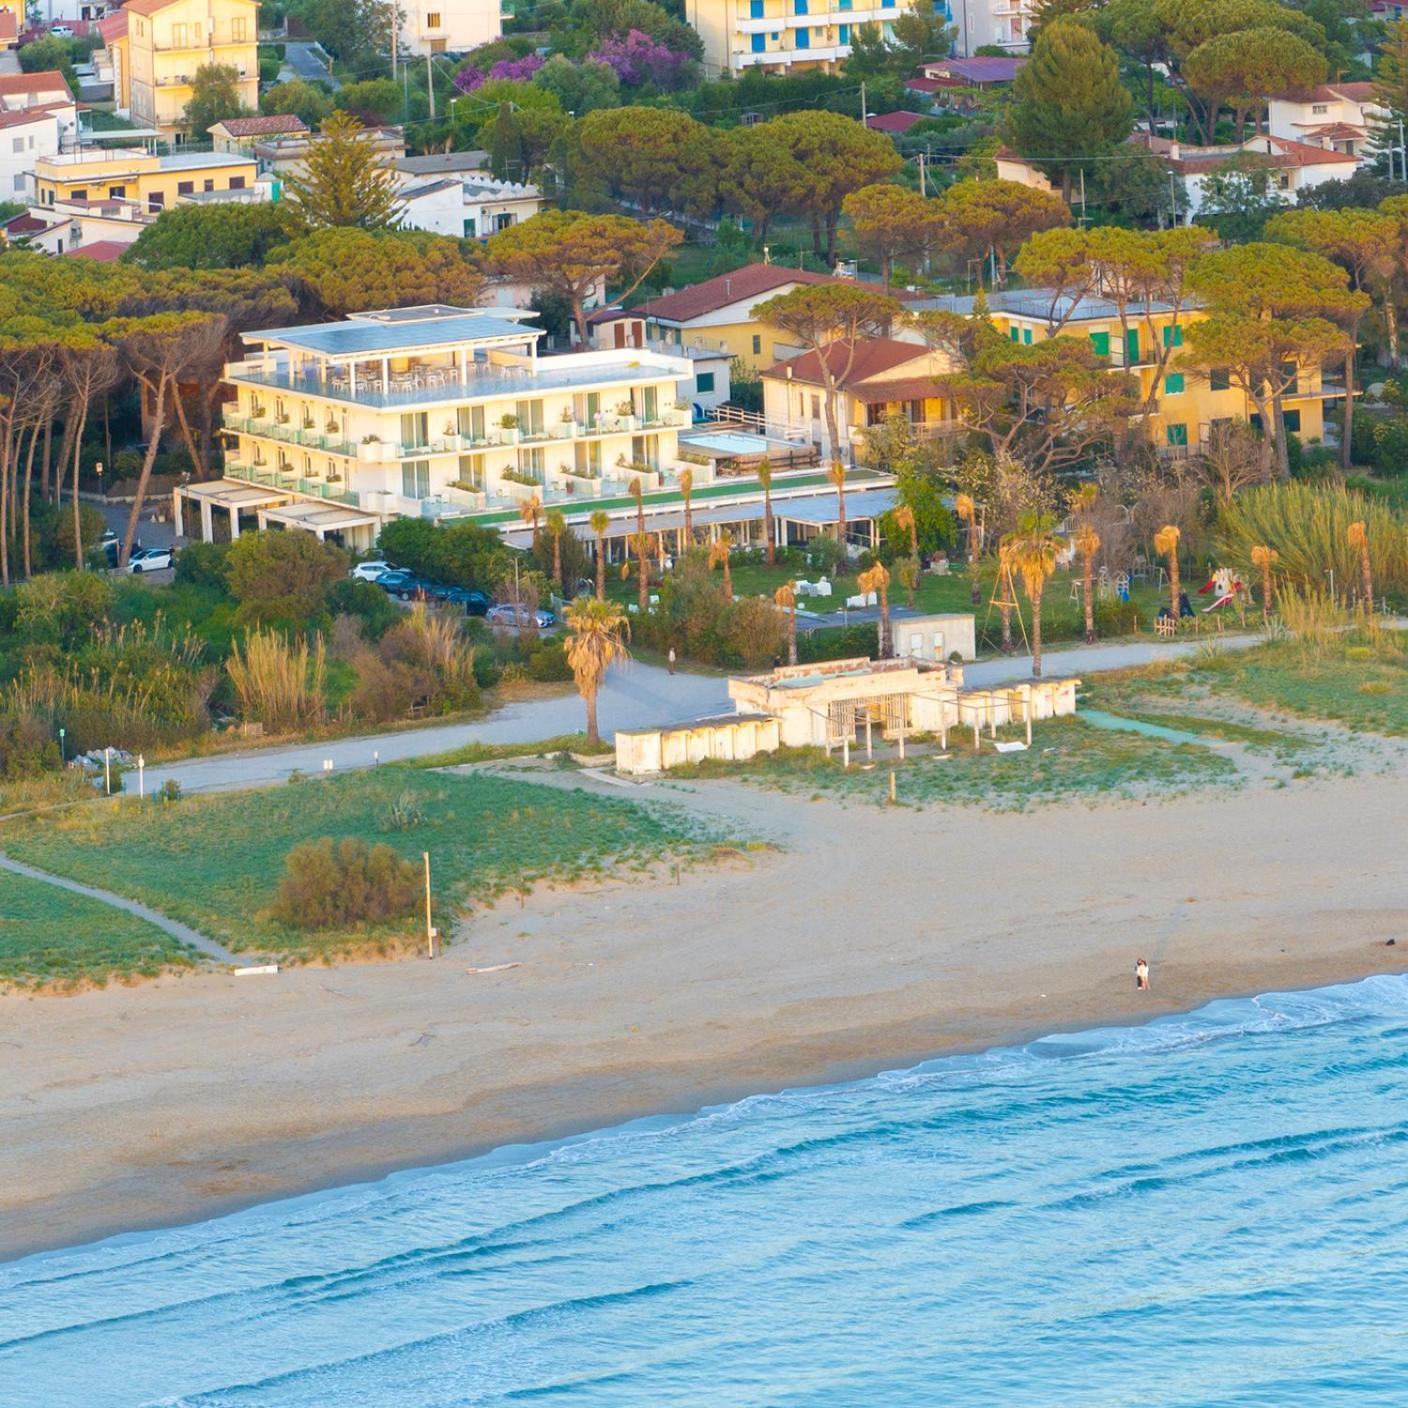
638, 59
471, 77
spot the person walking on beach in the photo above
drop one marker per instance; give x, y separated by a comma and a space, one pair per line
1141, 975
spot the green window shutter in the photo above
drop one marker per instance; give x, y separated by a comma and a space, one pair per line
1014, 333
1173, 384
1132, 347
1173, 337
1100, 343
1027, 336
1177, 434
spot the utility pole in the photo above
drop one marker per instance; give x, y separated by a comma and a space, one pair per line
429, 928
430, 85
1082, 197
1402, 156
923, 185
862, 103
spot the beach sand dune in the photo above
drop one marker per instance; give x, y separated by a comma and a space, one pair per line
871, 939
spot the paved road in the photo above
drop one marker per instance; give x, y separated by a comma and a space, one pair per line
307, 61
177, 930
1087, 659
630, 698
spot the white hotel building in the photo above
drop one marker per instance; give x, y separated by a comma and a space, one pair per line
433, 412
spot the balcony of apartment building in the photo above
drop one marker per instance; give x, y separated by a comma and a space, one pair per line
811, 14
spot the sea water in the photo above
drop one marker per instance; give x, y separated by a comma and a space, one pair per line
1208, 1210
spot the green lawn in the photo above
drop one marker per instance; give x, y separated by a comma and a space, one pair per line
215, 862
1068, 761
1350, 680
48, 935
1063, 618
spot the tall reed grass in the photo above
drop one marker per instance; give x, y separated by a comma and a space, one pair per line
1308, 525
280, 683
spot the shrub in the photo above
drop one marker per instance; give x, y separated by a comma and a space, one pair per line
549, 663
1391, 446
279, 683
755, 631
840, 643
204, 565
331, 884
371, 607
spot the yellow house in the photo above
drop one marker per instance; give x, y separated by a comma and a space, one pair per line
784, 36
717, 315
1187, 405
168, 40
113, 62
876, 378
154, 182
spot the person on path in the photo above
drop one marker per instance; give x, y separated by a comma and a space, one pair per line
672, 659
1141, 975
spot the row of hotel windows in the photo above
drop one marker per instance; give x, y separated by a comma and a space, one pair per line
530, 464
801, 37
156, 200
756, 9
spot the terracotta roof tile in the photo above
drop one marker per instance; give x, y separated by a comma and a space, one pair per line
893, 121
753, 281
48, 80
262, 126
104, 251
873, 355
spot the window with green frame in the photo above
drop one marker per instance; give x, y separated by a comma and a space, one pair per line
1173, 384
1177, 434
1015, 333
1131, 347
1100, 343
1173, 337
1027, 336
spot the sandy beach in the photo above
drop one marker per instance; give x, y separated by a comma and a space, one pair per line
869, 939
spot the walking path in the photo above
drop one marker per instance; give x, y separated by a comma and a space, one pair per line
632, 697
177, 930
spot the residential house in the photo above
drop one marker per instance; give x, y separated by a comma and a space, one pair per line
717, 315
433, 164
704, 390
449, 26
1296, 166
1186, 406
1341, 117
168, 40
984, 71
50, 235
27, 136
240, 135
985, 23
467, 207
284, 156
783, 36
876, 377
97, 220
893, 124
136, 174
112, 63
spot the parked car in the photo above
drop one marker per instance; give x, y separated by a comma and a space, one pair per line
61, 31
149, 560
474, 603
405, 585
507, 614
370, 571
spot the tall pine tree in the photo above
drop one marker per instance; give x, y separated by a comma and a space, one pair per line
1069, 105
345, 181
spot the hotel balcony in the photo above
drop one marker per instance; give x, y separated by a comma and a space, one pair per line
270, 476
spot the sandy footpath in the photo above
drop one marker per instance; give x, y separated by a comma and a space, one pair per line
872, 939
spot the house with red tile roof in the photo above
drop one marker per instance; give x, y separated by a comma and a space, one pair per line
241, 134
875, 377
1340, 117
717, 314
894, 124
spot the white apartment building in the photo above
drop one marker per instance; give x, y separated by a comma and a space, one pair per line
25, 136
449, 26
1340, 117
782, 36
986, 22
431, 412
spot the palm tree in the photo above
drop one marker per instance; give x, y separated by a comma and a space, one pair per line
1264, 559
1032, 551
786, 599
878, 580
529, 513
595, 643
557, 526
1087, 544
967, 510
600, 521
904, 520
765, 479
837, 475
687, 489
718, 554
1166, 545
907, 570
637, 494
1005, 600
640, 542
1358, 535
